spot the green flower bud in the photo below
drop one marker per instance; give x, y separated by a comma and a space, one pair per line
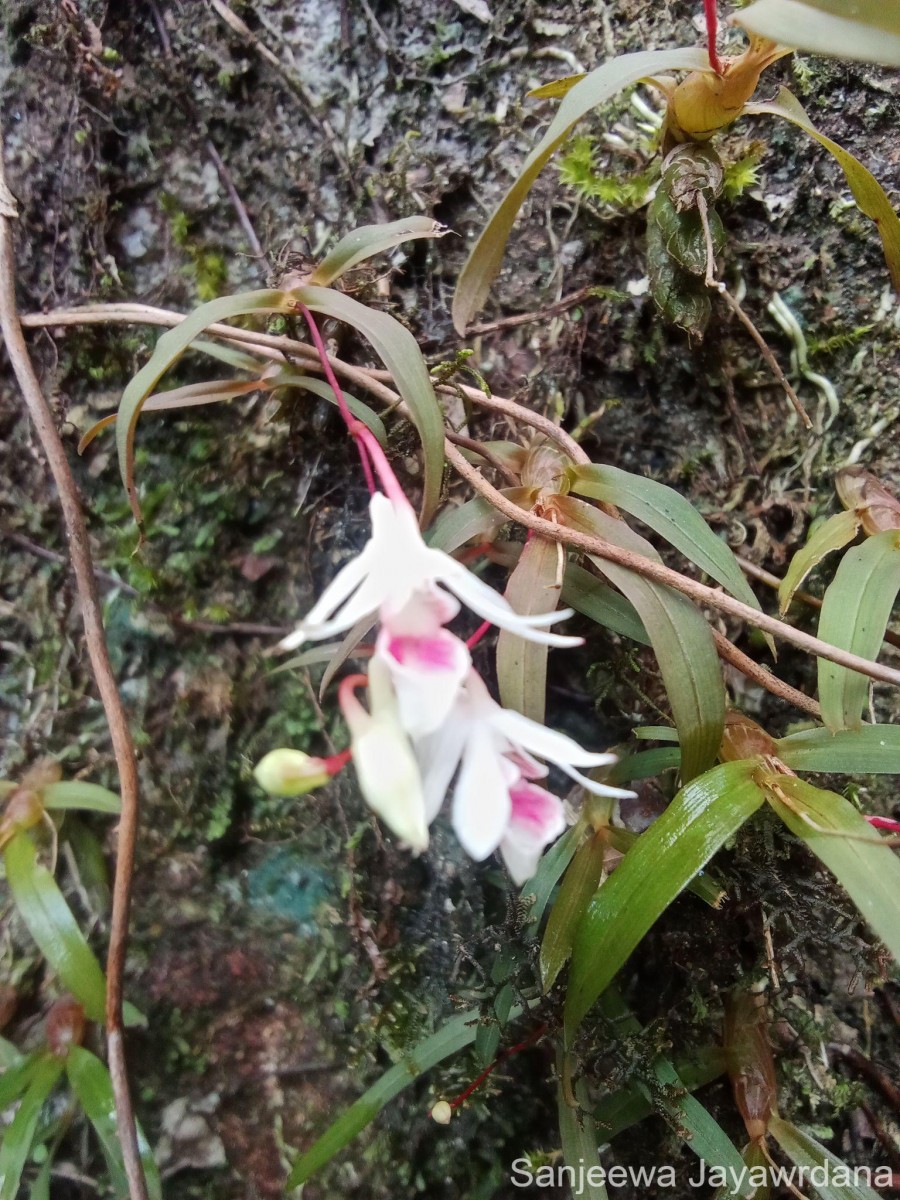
290, 773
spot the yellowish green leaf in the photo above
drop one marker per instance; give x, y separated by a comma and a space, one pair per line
597, 87
867, 191
863, 29
835, 533
522, 664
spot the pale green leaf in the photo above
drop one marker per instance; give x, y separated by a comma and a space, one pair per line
18, 1136
532, 589
453, 1036
476, 518
75, 794
579, 1138
595, 89
594, 599
701, 818
623, 1109
92, 1085
854, 852
581, 881
867, 191
870, 750
398, 350
318, 387
681, 638
834, 534
699, 1130
369, 240
855, 612
863, 29
670, 515
43, 908
539, 888
169, 350
803, 1150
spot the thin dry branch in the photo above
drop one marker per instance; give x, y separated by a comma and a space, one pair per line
650, 569
95, 640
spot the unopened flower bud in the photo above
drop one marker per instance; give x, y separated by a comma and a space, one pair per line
442, 1113
65, 1026
290, 773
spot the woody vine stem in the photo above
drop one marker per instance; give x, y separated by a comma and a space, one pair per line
98, 654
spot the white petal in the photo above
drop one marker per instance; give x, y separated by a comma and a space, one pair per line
546, 743
598, 789
439, 756
389, 780
425, 692
481, 803
538, 818
489, 604
343, 585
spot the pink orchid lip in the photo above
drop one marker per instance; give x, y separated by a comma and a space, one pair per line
534, 807
436, 653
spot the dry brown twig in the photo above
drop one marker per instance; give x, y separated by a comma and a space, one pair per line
95, 640
375, 381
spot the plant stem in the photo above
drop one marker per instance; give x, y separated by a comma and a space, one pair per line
95, 640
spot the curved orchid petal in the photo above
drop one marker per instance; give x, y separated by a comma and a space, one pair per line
427, 673
481, 802
546, 743
537, 819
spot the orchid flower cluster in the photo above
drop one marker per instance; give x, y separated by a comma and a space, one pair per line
431, 726
430, 717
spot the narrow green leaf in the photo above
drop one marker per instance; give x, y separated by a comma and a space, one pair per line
474, 519
522, 664
580, 1138
595, 89
870, 750
670, 515
453, 1036
856, 855
75, 794
705, 885
169, 349
656, 733
487, 1036
318, 387
550, 870
9, 1057
18, 1136
834, 534
868, 193
699, 1130
398, 350
594, 599
644, 765
618, 1112
701, 818
855, 611
369, 240
580, 883
92, 1085
681, 637
809, 1155
43, 908
17, 1076
863, 29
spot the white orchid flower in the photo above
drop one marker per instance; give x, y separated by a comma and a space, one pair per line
386, 766
496, 751
393, 568
428, 664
